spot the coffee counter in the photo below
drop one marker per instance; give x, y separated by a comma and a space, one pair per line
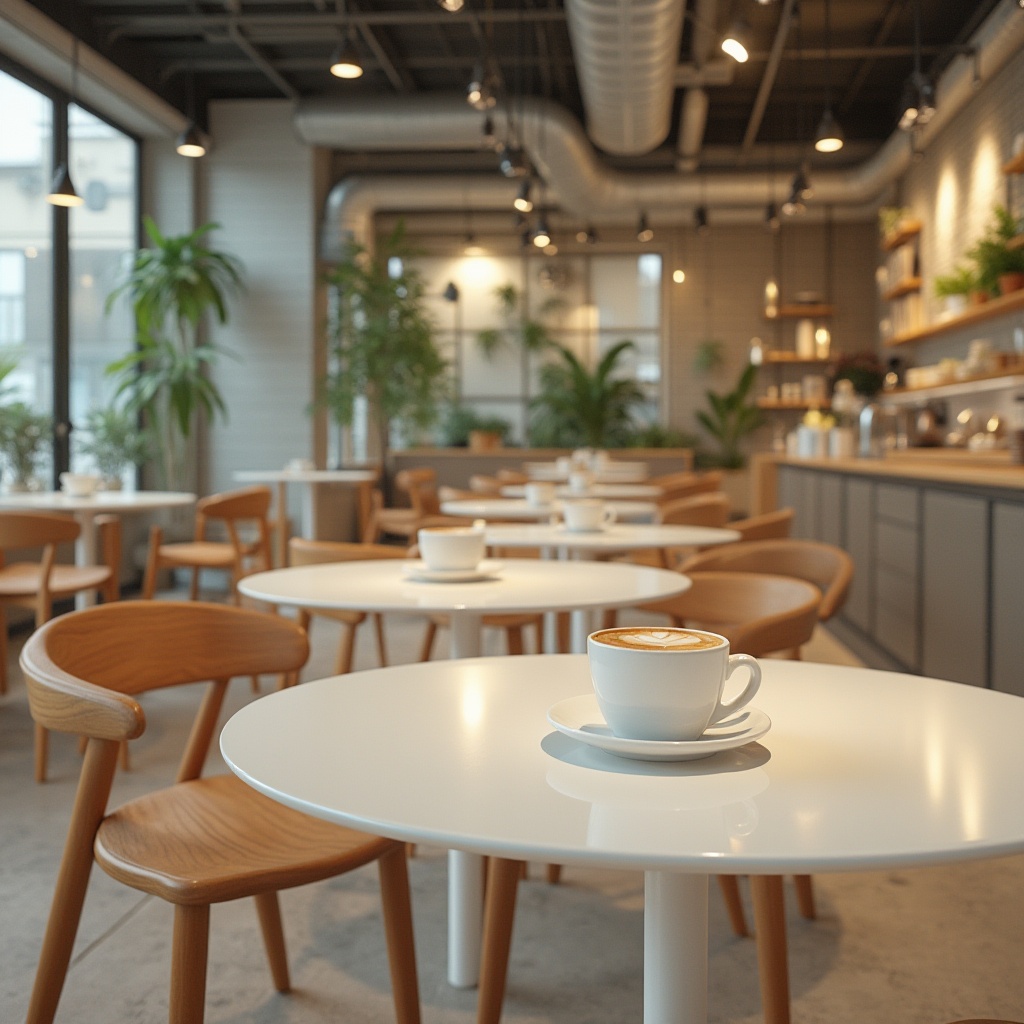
938, 544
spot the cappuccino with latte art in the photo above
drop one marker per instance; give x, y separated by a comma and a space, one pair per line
647, 638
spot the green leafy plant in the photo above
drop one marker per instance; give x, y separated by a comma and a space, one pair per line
864, 370
962, 281
729, 418
992, 255
460, 420
710, 355
578, 408
24, 435
516, 330
114, 441
172, 285
654, 435
382, 342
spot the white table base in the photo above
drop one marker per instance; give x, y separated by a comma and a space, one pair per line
675, 948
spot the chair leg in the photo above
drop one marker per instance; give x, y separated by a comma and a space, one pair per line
730, 886
268, 907
554, 874
562, 631
382, 647
193, 586
428, 641
514, 639
397, 908
3, 650
188, 964
610, 618
42, 752
152, 562
346, 649
499, 915
805, 896
770, 927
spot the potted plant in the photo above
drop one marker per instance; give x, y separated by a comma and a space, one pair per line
24, 435
729, 419
576, 408
114, 442
517, 330
863, 370
382, 342
464, 427
172, 285
1000, 267
955, 288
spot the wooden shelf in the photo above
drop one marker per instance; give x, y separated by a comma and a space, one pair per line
792, 357
907, 231
803, 311
779, 404
1009, 378
975, 315
1015, 166
905, 287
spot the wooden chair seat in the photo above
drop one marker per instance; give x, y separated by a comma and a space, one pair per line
209, 554
207, 841
25, 579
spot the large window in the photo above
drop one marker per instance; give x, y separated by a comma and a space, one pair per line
57, 266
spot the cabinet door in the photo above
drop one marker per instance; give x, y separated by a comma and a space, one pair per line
858, 531
830, 509
955, 589
1008, 598
791, 496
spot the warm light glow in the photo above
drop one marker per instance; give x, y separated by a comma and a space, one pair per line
735, 49
829, 145
679, 276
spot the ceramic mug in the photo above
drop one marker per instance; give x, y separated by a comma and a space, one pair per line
79, 485
539, 493
580, 481
451, 547
587, 515
665, 683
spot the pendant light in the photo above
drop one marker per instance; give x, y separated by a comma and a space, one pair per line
345, 61
62, 190
736, 42
586, 236
522, 202
644, 232
452, 6
541, 234
917, 106
190, 142
700, 219
829, 137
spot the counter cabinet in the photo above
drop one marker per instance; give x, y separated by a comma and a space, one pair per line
939, 580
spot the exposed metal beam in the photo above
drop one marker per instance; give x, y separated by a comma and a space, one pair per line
881, 35
262, 63
401, 80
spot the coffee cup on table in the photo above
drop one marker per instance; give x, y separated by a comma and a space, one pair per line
539, 493
665, 683
451, 547
588, 514
79, 485
580, 481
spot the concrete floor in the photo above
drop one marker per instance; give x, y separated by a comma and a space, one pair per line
902, 947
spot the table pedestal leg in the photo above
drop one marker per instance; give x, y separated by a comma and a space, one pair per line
310, 517
465, 635
675, 948
580, 628
85, 554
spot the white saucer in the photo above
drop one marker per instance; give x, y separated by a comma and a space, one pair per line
486, 570
581, 718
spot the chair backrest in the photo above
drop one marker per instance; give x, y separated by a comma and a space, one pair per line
696, 510
36, 529
480, 484
826, 566
247, 505
420, 485
512, 476
759, 613
684, 484
767, 526
83, 669
446, 493
319, 552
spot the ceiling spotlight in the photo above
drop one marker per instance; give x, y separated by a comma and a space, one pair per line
588, 236
522, 202
771, 217
737, 42
190, 142
451, 293
541, 235
481, 93
512, 162
490, 139
471, 247
700, 219
644, 233
346, 62
794, 204
801, 186
453, 6
679, 276
829, 137
62, 191
917, 107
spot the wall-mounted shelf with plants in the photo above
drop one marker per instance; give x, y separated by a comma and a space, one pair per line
972, 315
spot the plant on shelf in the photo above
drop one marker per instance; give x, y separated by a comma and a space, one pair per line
1000, 267
114, 442
517, 330
963, 281
460, 422
381, 343
24, 435
864, 370
729, 419
173, 284
579, 408
654, 435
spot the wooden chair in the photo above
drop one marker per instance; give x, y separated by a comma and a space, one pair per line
686, 484
37, 584
480, 484
775, 525
317, 552
420, 485
512, 476
760, 614
236, 511
201, 840
708, 509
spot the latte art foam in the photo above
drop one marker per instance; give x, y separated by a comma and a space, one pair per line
649, 639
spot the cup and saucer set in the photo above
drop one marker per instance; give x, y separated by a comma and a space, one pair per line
658, 696
452, 554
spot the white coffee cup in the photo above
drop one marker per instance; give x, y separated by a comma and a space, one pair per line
79, 485
539, 493
580, 481
300, 465
588, 514
665, 683
451, 547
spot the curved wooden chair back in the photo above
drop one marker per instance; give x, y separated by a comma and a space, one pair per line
201, 840
512, 476
826, 566
697, 510
775, 525
481, 484
320, 552
685, 484
420, 485
37, 584
759, 613
446, 493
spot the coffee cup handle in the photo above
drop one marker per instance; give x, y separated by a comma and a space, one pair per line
726, 708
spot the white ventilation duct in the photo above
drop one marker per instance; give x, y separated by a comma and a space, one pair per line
584, 187
626, 52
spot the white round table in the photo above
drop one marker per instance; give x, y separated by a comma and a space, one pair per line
86, 509
861, 770
614, 538
618, 491
614, 471
519, 508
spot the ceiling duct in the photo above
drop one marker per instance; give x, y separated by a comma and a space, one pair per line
626, 52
